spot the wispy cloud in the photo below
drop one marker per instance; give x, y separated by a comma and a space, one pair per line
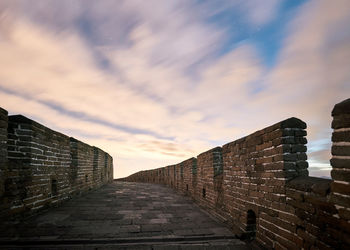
154, 86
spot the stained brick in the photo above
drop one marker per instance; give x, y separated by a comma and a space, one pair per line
340, 163
340, 188
341, 136
341, 150
341, 121
340, 175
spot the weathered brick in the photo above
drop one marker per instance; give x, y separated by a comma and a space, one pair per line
302, 205
341, 121
306, 236
340, 175
341, 150
340, 199
293, 123
341, 136
295, 194
321, 187
341, 108
340, 188
344, 213
292, 218
287, 243
300, 133
320, 203
340, 163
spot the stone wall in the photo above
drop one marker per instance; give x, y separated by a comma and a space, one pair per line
259, 186
3, 151
41, 167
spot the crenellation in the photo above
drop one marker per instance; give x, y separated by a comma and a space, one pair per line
260, 185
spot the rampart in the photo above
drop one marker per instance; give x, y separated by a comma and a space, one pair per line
40, 168
259, 185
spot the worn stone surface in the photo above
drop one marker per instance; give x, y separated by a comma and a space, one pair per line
150, 215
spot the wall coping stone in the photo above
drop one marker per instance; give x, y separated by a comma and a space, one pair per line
24, 120
216, 149
342, 108
189, 159
4, 111
287, 123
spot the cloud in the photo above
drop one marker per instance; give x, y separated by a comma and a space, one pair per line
182, 37
152, 85
315, 53
59, 84
261, 12
321, 155
256, 13
312, 73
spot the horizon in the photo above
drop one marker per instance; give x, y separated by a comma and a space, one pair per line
154, 86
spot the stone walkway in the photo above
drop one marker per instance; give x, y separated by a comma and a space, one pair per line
122, 215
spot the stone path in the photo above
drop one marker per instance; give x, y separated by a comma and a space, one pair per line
122, 215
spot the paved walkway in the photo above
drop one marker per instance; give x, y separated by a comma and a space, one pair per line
122, 215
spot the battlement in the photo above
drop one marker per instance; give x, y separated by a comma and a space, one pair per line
259, 185
41, 168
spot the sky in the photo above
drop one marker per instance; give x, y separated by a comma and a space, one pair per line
156, 82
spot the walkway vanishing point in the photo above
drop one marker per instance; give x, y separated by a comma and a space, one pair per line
122, 215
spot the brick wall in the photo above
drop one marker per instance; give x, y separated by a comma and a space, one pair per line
44, 167
259, 186
209, 179
256, 170
3, 155
189, 177
341, 158
320, 207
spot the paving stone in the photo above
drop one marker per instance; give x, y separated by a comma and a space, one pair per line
151, 228
120, 211
158, 221
184, 232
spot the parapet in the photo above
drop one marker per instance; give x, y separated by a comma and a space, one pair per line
259, 186
41, 167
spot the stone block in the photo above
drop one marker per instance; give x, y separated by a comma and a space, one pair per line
341, 136
300, 133
298, 148
341, 121
293, 123
322, 187
341, 108
340, 175
341, 150
295, 194
341, 200
321, 203
340, 163
344, 213
341, 188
